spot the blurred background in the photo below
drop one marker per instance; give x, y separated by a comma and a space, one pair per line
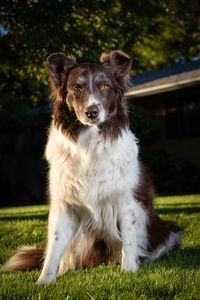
163, 37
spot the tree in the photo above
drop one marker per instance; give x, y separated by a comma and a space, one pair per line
155, 33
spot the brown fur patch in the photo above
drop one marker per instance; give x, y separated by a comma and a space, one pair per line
67, 120
98, 255
159, 231
113, 127
145, 192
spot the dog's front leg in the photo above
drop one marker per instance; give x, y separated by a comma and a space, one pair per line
60, 232
128, 227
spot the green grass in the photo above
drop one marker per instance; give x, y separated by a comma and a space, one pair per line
174, 277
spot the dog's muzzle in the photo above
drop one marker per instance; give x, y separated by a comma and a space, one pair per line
92, 112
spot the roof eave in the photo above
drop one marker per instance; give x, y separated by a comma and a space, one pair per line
162, 88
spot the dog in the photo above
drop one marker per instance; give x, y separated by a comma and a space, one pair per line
101, 196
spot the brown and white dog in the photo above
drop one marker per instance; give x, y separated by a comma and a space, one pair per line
101, 198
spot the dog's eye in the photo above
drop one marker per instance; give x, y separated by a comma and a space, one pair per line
105, 86
77, 88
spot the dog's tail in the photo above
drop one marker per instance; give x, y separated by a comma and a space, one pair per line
26, 258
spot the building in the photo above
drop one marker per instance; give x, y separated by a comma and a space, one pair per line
172, 94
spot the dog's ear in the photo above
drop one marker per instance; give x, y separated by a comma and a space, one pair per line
119, 63
58, 66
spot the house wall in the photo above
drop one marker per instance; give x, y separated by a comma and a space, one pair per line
185, 147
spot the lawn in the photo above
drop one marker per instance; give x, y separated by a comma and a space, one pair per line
174, 277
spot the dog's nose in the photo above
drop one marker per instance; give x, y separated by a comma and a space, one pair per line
92, 112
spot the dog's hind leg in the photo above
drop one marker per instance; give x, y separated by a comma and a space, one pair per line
163, 237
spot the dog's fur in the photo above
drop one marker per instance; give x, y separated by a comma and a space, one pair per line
101, 197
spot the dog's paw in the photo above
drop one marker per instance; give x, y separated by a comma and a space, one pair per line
130, 266
46, 279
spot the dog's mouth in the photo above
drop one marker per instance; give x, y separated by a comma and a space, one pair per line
92, 121
86, 121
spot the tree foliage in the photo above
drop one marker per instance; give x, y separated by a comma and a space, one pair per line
155, 33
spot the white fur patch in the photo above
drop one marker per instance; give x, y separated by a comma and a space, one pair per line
92, 101
102, 113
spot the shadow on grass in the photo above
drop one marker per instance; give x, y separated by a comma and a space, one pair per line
19, 217
43, 216
187, 258
193, 204
178, 210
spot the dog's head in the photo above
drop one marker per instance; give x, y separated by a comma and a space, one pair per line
89, 90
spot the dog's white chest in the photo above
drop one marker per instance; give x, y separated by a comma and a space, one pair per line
93, 169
